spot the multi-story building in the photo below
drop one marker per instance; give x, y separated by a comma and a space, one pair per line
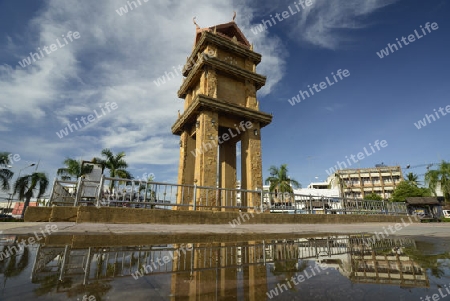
356, 183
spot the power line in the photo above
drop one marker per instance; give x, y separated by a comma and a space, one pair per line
428, 165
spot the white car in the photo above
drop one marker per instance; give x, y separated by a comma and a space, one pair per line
446, 213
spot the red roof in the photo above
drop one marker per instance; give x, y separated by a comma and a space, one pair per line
18, 207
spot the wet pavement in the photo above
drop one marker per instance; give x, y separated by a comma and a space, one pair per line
376, 261
405, 229
336, 266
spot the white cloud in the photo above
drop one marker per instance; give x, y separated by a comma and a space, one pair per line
115, 59
334, 107
321, 24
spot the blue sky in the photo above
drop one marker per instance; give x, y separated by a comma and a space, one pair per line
118, 58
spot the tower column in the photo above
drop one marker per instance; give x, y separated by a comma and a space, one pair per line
186, 169
251, 164
206, 158
227, 155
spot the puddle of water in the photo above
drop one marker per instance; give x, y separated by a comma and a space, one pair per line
338, 267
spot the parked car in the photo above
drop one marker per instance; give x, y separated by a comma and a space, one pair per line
446, 213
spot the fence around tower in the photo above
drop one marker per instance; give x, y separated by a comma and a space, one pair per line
119, 192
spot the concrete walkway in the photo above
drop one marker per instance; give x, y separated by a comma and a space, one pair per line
438, 230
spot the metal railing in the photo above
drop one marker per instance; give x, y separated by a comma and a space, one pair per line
119, 192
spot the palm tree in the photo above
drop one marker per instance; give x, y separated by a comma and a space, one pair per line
441, 176
26, 186
340, 183
341, 187
115, 163
279, 181
5, 173
412, 178
11, 267
74, 168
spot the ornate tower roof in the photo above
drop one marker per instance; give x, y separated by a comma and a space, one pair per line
229, 30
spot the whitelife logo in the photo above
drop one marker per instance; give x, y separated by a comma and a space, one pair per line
225, 137
146, 269
297, 279
90, 119
360, 156
319, 87
430, 118
411, 38
369, 242
124, 9
265, 24
49, 49
11, 250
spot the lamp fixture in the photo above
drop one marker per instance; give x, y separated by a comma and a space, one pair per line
255, 132
213, 121
197, 124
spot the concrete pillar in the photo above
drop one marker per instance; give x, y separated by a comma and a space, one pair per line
206, 158
181, 281
206, 277
227, 156
186, 170
228, 273
255, 275
251, 165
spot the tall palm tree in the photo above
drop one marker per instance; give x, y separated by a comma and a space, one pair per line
26, 185
339, 181
115, 163
412, 178
10, 267
5, 173
440, 176
73, 169
279, 181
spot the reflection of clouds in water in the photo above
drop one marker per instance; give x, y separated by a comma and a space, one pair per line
345, 293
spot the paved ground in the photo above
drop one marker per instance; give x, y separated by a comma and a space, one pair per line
437, 230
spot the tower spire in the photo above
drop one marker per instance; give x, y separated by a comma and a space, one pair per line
196, 25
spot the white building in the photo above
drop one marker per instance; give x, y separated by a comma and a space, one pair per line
318, 189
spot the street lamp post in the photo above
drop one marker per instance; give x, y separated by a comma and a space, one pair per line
32, 164
9, 202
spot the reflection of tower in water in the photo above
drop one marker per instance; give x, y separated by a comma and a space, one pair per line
220, 271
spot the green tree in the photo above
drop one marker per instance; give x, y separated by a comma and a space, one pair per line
115, 163
12, 266
412, 178
5, 173
440, 176
279, 181
408, 189
339, 181
373, 196
73, 169
26, 186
